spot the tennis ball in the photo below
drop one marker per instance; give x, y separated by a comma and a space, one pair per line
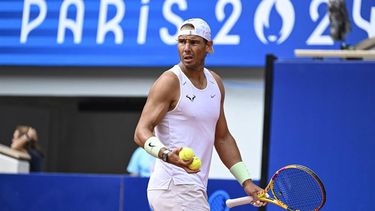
186, 154
196, 164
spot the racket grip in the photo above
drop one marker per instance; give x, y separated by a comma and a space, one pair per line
238, 201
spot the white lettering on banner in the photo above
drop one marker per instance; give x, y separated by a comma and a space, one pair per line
171, 17
143, 22
35, 12
27, 26
368, 26
317, 37
222, 36
262, 16
105, 26
75, 26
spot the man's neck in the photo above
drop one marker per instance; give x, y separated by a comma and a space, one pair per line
196, 76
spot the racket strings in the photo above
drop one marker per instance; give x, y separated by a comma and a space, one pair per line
298, 189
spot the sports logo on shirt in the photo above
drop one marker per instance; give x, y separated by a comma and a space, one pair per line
191, 97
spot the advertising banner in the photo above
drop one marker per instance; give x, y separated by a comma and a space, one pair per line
143, 32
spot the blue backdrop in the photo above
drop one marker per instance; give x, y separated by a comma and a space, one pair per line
143, 33
88, 192
322, 116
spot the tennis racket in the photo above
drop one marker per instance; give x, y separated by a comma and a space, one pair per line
293, 187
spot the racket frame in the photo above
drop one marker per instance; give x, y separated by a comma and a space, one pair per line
263, 196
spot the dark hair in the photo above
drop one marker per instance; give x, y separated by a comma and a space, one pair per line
22, 129
32, 143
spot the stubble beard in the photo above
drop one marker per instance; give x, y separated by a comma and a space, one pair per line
193, 66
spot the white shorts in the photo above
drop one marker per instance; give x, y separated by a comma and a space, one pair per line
178, 198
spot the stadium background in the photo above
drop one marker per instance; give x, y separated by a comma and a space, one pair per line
83, 85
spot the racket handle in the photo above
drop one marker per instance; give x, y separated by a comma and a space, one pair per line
238, 201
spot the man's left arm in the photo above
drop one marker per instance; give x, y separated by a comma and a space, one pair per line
229, 153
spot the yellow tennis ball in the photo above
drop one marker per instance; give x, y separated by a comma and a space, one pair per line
186, 153
196, 164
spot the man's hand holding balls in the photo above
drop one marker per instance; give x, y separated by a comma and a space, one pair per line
187, 154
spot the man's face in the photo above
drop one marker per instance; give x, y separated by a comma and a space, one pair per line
192, 50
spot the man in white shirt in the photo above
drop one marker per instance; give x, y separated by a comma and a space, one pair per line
184, 108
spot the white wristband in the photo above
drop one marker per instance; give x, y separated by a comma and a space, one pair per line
153, 146
240, 172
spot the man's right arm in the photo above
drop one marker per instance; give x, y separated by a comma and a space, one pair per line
162, 96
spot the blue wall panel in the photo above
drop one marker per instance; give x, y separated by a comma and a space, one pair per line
323, 117
135, 194
87, 192
59, 192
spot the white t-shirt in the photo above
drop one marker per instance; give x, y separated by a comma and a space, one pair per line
191, 123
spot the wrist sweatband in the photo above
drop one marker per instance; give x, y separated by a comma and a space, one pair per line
240, 172
153, 146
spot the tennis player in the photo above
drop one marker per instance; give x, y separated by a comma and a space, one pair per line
185, 108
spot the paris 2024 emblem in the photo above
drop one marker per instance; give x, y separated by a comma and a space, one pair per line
262, 20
